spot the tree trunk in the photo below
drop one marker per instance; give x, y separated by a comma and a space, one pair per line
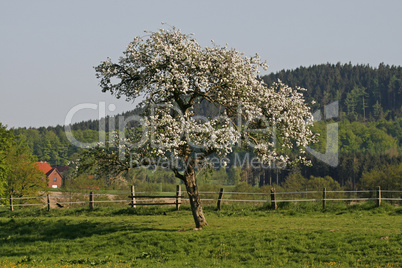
194, 196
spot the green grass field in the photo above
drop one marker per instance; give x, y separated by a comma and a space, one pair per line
237, 236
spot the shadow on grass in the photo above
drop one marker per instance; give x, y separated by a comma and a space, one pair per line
96, 212
144, 211
25, 231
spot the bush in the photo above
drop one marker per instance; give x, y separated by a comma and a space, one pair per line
243, 188
388, 177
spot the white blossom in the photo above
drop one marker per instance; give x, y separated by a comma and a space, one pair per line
171, 69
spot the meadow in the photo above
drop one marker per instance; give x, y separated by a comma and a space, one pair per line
237, 236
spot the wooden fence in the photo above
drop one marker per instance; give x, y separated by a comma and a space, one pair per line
135, 199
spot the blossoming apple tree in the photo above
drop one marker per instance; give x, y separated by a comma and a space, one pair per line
172, 74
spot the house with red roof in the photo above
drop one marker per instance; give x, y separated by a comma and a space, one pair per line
53, 176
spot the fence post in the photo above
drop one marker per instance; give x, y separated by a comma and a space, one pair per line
133, 196
11, 203
220, 199
178, 196
273, 199
324, 196
48, 202
91, 201
378, 196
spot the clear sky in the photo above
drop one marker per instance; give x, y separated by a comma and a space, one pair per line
48, 48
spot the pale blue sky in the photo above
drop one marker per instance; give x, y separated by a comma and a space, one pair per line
48, 48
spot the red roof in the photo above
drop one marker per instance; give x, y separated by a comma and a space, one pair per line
44, 166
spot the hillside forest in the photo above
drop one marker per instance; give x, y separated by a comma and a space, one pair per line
369, 137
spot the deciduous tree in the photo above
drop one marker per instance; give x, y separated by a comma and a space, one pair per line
24, 178
172, 74
6, 141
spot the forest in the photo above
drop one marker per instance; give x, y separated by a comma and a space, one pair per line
369, 132
364, 92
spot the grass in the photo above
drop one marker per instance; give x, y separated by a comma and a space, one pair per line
238, 236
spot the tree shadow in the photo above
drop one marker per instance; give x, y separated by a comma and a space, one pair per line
27, 232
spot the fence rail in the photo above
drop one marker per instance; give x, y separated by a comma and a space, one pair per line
175, 198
